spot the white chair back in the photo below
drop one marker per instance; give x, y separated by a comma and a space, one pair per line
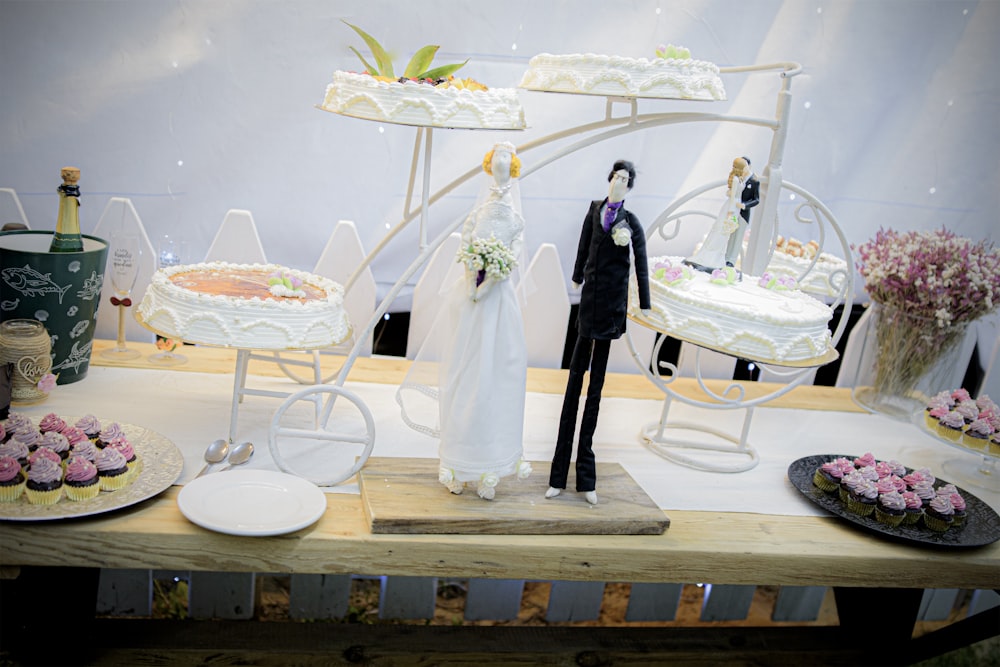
237, 240
546, 314
344, 252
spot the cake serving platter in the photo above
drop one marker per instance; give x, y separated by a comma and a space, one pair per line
162, 463
982, 523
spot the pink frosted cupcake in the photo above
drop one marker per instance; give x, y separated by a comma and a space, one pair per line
951, 426
939, 515
112, 469
15, 450
51, 422
960, 395
890, 508
44, 453
81, 481
977, 435
109, 433
45, 484
12, 479
914, 508
122, 444
827, 477
57, 442
862, 497
74, 435
933, 417
90, 425
925, 491
865, 460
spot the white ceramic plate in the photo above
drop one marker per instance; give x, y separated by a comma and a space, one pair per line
251, 502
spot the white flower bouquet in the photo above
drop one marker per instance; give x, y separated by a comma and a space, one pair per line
490, 256
621, 233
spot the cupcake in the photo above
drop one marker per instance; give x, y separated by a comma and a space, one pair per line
57, 442
44, 485
17, 422
958, 504
12, 479
3, 434
925, 491
29, 438
90, 425
862, 496
44, 453
933, 416
950, 426
112, 469
960, 395
968, 409
51, 422
898, 468
984, 402
849, 479
914, 508
15, 450
978, 434
108, 433
85, 449
75, 435
890, 508
939, 515
865, 460
122, 444
81, 480
827, 477
869, 473
942, 399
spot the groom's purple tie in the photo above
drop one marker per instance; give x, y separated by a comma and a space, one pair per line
610, 213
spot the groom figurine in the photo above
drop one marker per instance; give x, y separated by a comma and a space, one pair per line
611, 241
749, 198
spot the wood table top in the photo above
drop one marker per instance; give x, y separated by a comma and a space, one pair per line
715, 547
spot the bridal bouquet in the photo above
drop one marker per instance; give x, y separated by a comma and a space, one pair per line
490, 256
927, 287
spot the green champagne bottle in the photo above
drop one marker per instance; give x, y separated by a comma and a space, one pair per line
67, 237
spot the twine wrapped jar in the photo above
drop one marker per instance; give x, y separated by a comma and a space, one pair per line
25, 344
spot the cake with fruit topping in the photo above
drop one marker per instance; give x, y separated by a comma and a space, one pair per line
251, 306
422, 96
672, 74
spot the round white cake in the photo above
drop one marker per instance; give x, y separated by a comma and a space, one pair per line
249, 306
590, 74
423, 104
825, 277
743, 318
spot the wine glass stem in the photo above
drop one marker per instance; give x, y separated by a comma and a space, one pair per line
121, 328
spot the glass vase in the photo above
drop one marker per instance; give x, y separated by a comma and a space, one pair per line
905, 360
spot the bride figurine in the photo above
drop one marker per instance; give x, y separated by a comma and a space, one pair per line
478, 341
712, 254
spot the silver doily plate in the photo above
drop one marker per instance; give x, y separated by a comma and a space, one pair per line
161, 466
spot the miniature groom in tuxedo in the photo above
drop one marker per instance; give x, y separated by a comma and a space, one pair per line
611, 242
749, 197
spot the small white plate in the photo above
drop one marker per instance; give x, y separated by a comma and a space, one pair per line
251, 502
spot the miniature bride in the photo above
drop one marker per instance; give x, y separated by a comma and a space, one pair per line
479, 341
711, 254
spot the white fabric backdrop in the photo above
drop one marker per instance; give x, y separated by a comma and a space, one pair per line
193, 108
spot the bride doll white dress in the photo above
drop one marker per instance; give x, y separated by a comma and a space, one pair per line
712, 252
482, 370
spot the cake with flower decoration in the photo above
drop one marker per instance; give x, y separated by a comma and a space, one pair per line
762, 318
816, 272
422, 96
252, 306
671, 74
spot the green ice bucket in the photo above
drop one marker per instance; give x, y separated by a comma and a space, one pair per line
59, 289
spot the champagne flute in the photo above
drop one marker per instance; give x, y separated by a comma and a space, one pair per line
169, 252
125, 252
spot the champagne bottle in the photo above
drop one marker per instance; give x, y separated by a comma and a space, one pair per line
67, 237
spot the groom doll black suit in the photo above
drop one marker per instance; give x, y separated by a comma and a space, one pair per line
603, 261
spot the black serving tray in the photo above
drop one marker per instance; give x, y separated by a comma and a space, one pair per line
982, 524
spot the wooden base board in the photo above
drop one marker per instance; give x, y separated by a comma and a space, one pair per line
404, 496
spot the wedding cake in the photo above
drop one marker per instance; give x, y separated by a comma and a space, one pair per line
817, 272
250, 306
763, 319
672, 75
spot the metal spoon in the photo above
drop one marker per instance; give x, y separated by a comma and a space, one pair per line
216, 453
241, 454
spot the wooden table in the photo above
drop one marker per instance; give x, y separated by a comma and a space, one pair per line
721, 548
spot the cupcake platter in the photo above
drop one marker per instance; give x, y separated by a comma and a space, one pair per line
982, 523
162, 465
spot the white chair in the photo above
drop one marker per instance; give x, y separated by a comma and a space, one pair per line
11, 209
427, 293
546, 314
120, 217
344, 252
237, 240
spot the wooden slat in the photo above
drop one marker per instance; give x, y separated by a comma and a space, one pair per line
798, 603
403, 495
125, 592
493, 599
319, 596
653, 602
727, 603
227, 595
408, 597
575, 601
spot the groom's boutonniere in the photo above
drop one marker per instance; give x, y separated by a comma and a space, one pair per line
621, 233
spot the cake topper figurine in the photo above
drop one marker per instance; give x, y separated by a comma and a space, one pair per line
611, 242
478, 339
724, 240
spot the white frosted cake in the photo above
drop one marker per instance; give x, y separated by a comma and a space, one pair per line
590, 74
423, 103
772, 323
250, 306
817, 272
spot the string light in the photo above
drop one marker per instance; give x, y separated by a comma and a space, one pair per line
808, 105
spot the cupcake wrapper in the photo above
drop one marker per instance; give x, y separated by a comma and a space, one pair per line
82, 492
824, 483
855, 505
936, 523
911, 518
43, 497
887, 518
115, 482
9, 494
948, 433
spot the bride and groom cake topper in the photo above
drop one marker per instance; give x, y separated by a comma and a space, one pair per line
722, 244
